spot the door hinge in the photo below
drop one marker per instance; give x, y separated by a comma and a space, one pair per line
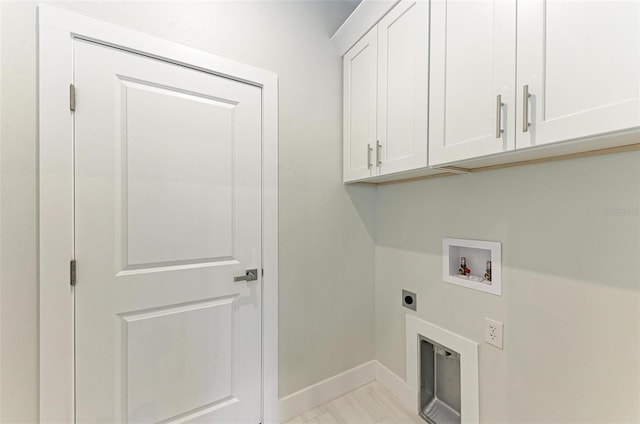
262, 274
72, 272
72, 97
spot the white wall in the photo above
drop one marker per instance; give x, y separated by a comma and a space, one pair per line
571, 287
326, 243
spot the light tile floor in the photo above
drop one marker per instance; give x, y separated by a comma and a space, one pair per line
369, 404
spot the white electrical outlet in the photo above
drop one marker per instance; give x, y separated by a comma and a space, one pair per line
493, 332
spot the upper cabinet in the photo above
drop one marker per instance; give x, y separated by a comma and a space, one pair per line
360, 88
450, 85
473, 60
578, 69
576, 74
403, 81
386, 75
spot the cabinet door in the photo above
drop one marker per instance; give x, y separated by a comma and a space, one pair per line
403, 69
360, 76
580, 61
473, 53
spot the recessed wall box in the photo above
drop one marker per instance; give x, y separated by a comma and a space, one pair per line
439, 383
481, 267
442, 368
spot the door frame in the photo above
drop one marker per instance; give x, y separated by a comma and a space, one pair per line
57, 30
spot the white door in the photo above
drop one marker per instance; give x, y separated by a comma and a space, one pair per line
580, 62
403, 76
472, 92
167, 212
360, 77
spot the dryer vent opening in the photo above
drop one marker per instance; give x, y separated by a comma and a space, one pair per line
439, 383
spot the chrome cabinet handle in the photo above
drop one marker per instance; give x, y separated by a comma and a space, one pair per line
251, 275
499, 105
369, 150
378, 153
525, 108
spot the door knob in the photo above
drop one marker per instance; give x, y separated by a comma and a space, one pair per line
251, 275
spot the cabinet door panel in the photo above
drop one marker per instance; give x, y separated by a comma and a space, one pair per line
472, 62
360, 76
403, 69
580, 61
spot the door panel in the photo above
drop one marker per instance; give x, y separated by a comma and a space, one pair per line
360, 76
178, 180
167, 212
403, 72
581, 62
472, 62
157, 344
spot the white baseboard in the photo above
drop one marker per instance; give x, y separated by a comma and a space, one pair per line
322, 392
396, 385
